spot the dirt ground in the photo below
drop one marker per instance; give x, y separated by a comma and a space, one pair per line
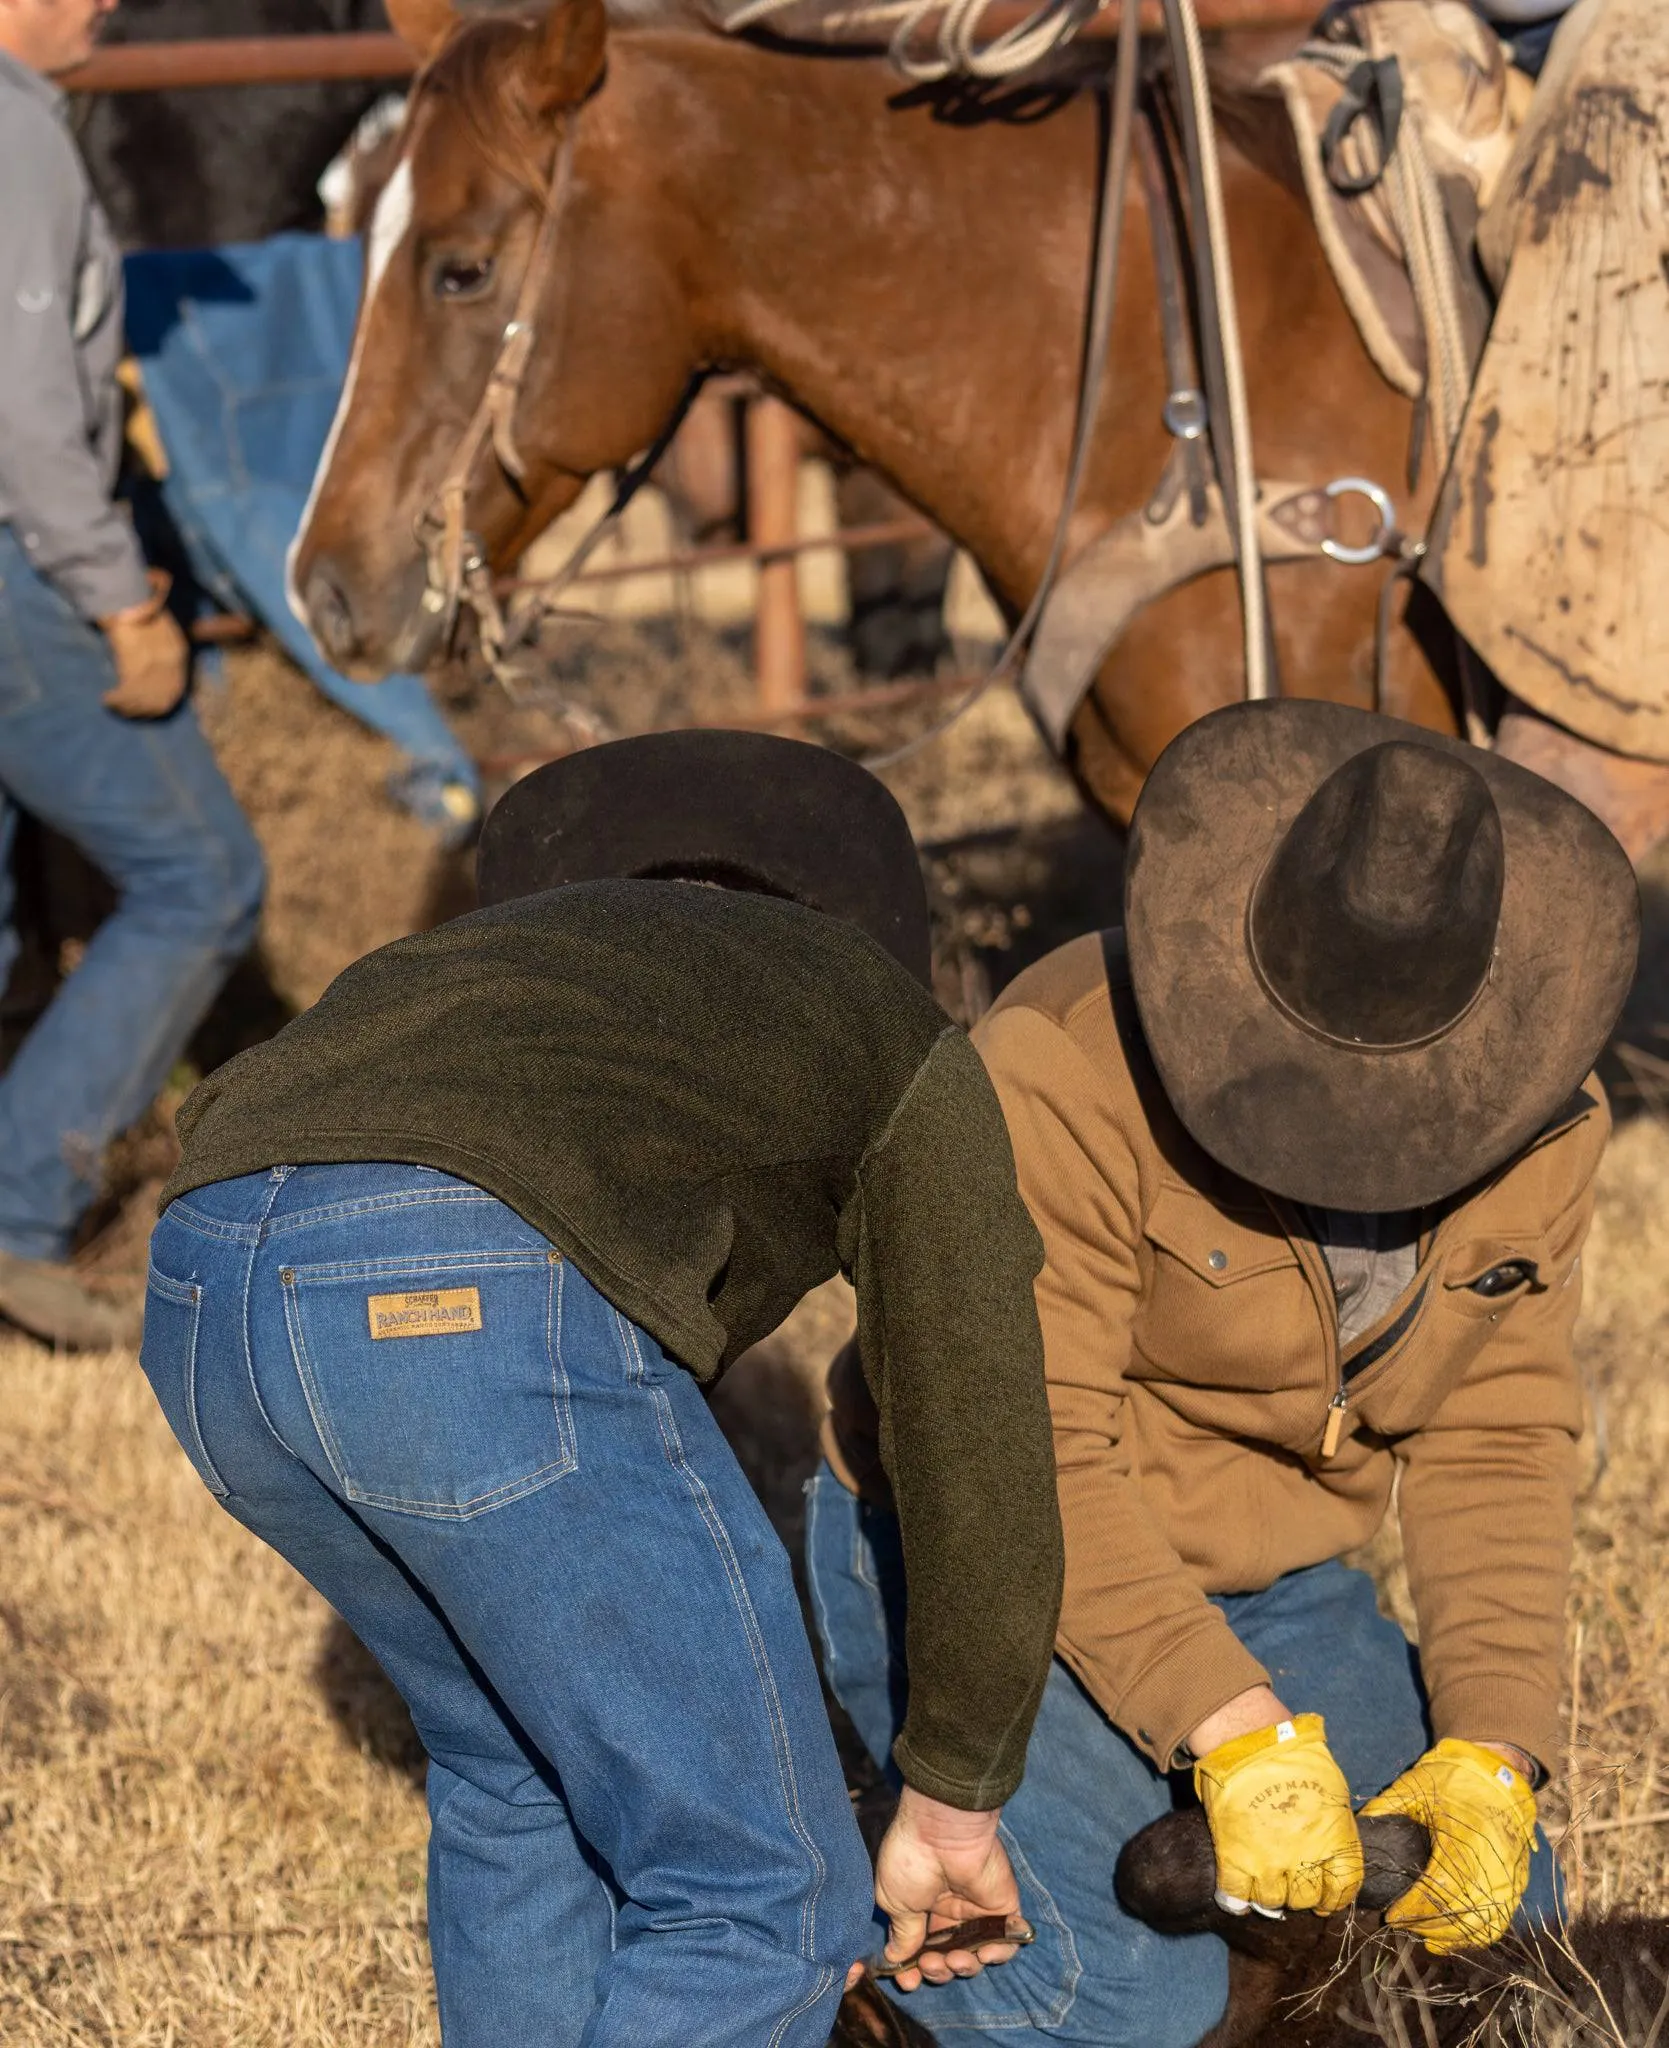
211, 1822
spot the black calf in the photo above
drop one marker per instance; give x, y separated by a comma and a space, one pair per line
1305, 1982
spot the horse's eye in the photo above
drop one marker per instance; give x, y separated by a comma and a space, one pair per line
463, 277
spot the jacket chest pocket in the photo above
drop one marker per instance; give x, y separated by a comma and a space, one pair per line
1226, 1302
1486, 1277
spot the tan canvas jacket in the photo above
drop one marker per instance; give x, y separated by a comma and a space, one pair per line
1191, 1346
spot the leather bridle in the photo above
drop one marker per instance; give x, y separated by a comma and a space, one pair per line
459, 571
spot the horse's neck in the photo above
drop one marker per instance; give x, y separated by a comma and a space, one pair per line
916, 285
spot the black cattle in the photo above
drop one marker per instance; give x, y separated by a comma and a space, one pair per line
192, 168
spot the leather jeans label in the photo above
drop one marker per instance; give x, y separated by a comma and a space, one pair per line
445, 1313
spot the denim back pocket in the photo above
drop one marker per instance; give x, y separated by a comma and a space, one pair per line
435, 1384
173, 1313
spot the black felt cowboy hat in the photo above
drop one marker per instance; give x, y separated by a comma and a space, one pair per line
739, 808
1371, 963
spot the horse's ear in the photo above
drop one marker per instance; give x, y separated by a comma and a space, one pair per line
572, 44
422, 25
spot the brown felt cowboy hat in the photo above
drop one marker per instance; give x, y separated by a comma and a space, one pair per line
1371, 963
739, 808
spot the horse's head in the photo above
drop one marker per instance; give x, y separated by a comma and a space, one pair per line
458, 247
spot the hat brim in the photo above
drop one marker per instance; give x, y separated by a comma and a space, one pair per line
747, 809
1350, 1127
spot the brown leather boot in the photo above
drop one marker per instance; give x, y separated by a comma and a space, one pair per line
52, 1301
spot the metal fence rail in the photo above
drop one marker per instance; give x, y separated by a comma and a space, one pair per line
301, 60
240, 60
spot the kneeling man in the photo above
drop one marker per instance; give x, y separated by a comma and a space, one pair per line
1312, 1146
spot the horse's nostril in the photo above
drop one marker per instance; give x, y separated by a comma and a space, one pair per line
329, 615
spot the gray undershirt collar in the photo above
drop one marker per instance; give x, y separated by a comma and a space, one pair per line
1371, 1259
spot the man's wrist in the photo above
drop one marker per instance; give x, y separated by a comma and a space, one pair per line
150, 606
1520, 1759
945, 1826
1258, 1707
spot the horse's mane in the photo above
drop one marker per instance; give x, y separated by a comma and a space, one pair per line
480, 70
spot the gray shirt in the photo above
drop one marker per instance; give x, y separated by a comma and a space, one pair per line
60, 343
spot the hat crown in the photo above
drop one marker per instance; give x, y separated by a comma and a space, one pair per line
1374, 923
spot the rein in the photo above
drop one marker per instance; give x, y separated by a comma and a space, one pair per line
459, 574
1109, 240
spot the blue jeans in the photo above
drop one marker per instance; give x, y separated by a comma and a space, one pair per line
144, 800
1095, 1975
639, 1830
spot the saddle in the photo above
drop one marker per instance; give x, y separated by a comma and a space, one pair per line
1500, 248
1499, 245
1405, 113
1547, 547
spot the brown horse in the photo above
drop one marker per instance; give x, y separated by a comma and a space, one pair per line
910, 267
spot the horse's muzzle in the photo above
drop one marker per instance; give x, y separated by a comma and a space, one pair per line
369, 636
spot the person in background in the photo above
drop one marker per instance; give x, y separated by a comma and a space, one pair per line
96, 739
1311, 1143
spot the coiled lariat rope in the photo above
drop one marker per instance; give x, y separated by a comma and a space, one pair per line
954, 49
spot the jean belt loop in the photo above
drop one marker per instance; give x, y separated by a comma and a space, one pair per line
278, 1176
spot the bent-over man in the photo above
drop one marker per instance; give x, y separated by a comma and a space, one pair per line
440, 1280
1311, 1144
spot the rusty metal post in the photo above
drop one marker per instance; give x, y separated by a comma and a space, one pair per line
240, 60
773, 459
289, 60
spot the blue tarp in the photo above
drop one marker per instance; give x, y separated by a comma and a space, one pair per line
243, 352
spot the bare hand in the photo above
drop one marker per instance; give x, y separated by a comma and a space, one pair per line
939, 1864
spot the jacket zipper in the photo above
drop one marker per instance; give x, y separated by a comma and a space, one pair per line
1336, 1408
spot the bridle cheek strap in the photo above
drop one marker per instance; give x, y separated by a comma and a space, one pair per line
457, 564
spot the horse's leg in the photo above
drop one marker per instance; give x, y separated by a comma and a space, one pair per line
1628, 795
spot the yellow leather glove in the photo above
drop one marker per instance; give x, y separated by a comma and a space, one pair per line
1279, 1811
153, 661
1481, 1817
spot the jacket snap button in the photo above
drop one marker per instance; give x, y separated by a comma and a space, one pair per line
1217, 1261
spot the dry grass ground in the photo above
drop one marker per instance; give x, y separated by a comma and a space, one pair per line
211, 1827
211, 1819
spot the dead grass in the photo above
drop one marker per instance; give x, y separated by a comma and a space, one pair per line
211, 1823
1616, 1776
193, 1849
211, 1832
